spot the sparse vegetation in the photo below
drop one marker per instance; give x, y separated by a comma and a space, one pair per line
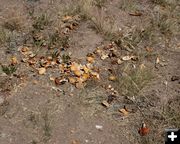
53, 40
3, 36
165, 24
72, 9
149, 35
65, 58
12, 24
128, 5
160, 2
81, 8
9, 70
32, 118
41, 21
171, 112
104, 26
57, 40
99, 3
46, 126
134, 81
55, 54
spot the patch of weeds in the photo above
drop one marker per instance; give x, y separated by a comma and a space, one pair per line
64, 41
3, 36
165, 24
97, 25
86, 9
4, 107
129, 40
99, 3
46, 126
72, 9
32, 118
80, 7
66, 58
12, 42
109, 36
38, 38
169, 116
9, 70
31, 10
134, 81
159, 2
172, 112
12, 24
39, 43
134, 37
166, 21
41, 21
145, 54
148, 35
104, 26
91, 95
55, 54
128, 5
55, 40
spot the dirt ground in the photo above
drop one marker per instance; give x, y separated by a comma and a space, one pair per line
89, 71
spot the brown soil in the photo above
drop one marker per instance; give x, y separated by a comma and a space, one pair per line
34, 110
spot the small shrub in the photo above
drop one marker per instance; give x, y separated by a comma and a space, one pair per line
12, 24
41, 21
106, 27
9, 69
99, 3
134, 81
159, 2
3, 36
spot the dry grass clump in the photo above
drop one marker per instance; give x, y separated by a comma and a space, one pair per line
128, 5
81, 7
3, 36
14, 21
133, 81
105, 26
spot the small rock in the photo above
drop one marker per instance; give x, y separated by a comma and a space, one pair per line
99, 127
57, 89
104, 56
41, 71
126, 58
119, 61
111, 98
60, 81
123, 111
175, 78
1, 100
166, 83
109, 86
105, 103
112, 78
3, 74
75, 142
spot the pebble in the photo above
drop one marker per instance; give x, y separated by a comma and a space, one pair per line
99, 127
1, 100
175, 78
